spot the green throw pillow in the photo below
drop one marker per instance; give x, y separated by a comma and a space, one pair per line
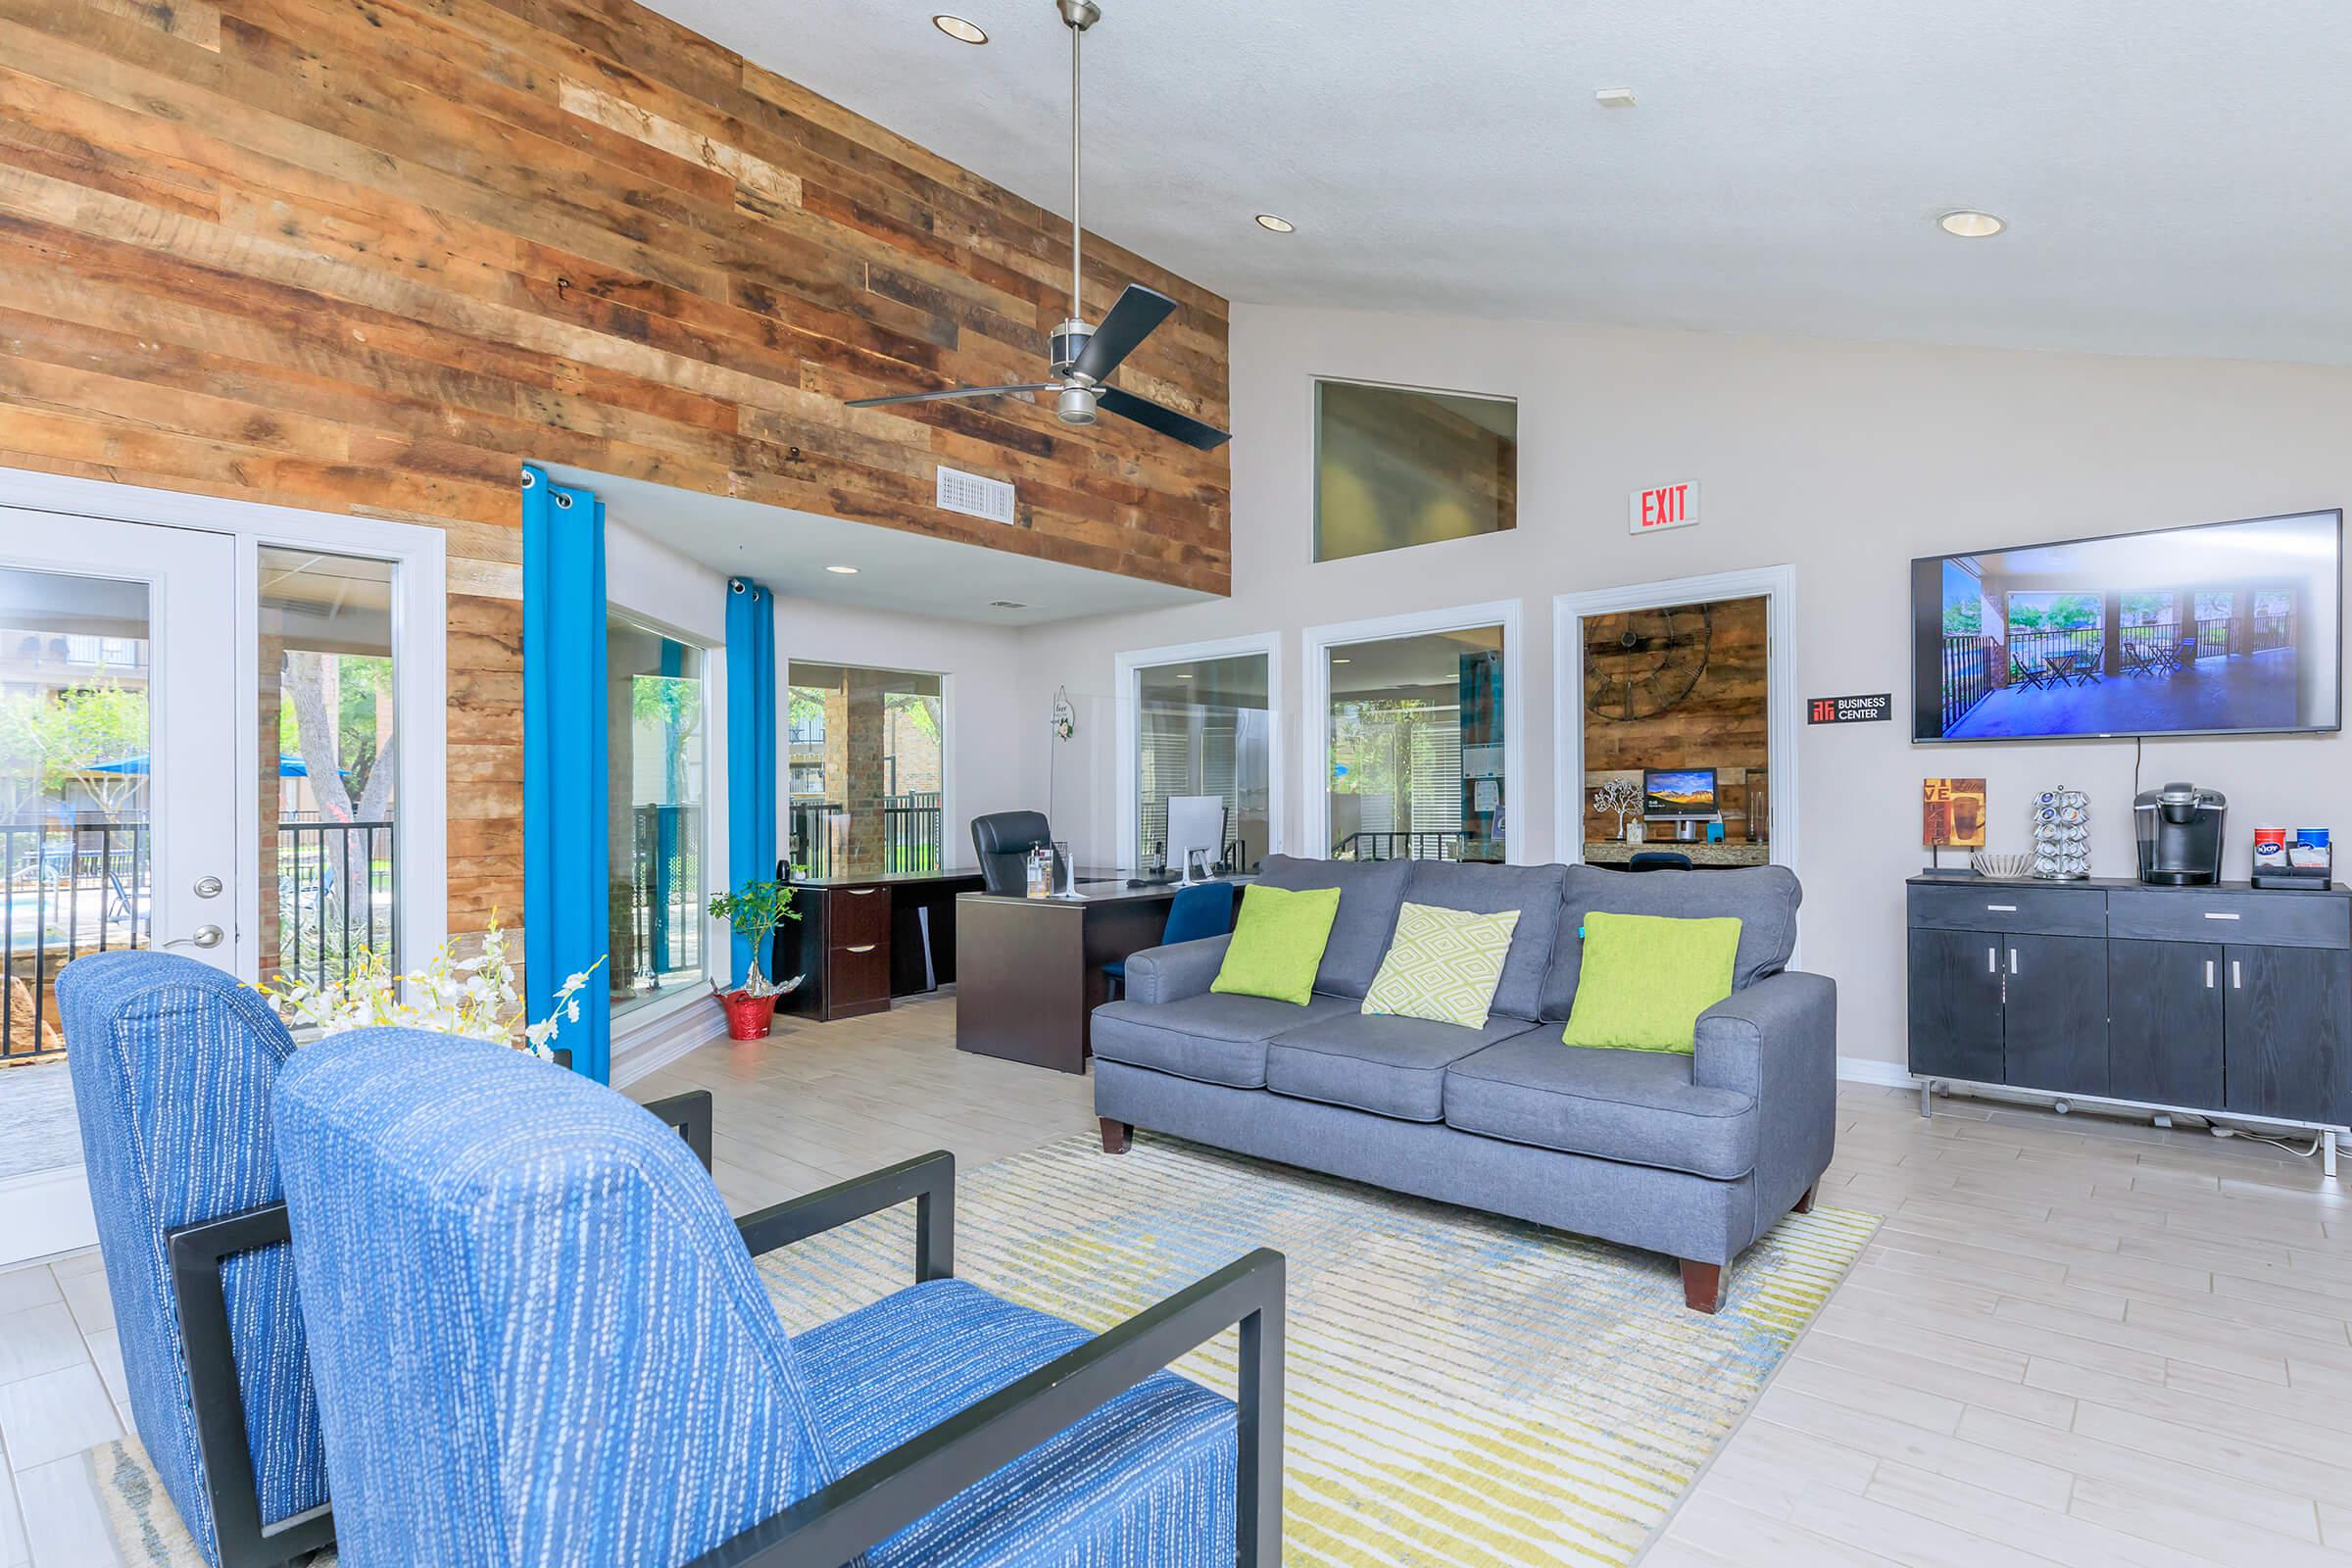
1646, 978
1442, 964
1278, 943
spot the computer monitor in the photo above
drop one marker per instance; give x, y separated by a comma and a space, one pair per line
1678, 794
1195, 822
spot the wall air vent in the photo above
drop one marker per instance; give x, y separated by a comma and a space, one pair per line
974, 496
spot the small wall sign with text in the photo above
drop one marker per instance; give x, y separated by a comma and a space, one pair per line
1673, 506
1850, 710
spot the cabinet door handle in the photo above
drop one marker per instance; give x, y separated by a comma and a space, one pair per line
2216, 915
868, 948
860, 893
2237, 981
2209, 974
1992, 960
2013, 960
2002, 908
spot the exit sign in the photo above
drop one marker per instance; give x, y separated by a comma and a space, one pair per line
1673, 506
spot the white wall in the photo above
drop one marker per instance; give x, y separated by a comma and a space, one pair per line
983, 772
1844, 460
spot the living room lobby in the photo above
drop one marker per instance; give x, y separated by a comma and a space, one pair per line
1091, 785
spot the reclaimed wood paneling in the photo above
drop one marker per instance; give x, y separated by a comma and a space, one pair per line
367, 256
1717, 718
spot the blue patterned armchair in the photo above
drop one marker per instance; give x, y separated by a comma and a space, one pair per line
174, 1064
540, 1341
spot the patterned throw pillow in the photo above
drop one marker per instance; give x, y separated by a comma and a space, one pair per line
1443, 965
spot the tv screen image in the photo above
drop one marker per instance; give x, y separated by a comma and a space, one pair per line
2220, 629
1678, 792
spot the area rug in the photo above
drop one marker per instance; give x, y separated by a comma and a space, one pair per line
1463, 1390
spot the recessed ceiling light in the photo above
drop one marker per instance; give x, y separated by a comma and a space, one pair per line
1614, 97
1276, 226
960, 30
842, 571
1970, 224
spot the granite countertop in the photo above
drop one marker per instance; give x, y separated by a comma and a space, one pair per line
1616, 852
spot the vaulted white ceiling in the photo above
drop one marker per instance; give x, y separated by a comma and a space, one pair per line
2177, 175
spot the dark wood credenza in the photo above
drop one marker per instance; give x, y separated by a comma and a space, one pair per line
2219, 1000
862, 940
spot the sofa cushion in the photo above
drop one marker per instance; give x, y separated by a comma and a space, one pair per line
1101, 1490
1763, 897
1639, 1107
1646, 978
1442, 965
1390, 1066
1214, 1039
1278, 944
1370, 892
1481, 889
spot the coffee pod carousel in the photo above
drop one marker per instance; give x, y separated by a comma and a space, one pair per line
2061, 835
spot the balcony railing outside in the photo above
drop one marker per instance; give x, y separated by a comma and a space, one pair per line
1971, 663
912, 837
1422, 844
74, 887
337, 897
665, 893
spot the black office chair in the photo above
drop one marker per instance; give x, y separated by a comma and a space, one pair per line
1660, 860
1002, 840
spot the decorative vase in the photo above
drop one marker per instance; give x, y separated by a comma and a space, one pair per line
749, 1018
1634, 831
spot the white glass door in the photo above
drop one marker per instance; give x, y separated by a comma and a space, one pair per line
117, 807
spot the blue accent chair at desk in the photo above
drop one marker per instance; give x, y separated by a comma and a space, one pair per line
1204, 910
539, 1340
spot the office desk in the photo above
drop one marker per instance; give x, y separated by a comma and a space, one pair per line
1032, 968
862, 940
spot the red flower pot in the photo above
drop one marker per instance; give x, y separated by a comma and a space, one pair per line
749, 1018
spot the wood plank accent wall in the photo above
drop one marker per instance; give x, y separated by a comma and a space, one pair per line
1722, 723
365, 256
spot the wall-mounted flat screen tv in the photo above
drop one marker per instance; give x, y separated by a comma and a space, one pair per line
2223, 628
1670, 793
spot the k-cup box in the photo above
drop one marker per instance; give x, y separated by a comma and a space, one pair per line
2269, 848
2310, 848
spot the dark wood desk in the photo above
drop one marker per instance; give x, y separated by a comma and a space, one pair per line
862, 940
1032, 968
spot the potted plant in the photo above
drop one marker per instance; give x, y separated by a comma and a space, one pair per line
753, 911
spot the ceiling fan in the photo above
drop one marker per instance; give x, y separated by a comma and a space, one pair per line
1083, 358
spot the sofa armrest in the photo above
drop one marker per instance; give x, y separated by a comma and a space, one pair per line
1778, 1041
1173, 973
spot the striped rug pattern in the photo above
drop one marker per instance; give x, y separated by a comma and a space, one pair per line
1463, 1390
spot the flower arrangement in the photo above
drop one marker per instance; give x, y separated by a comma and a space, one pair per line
753, 911
473, 998
1621, 796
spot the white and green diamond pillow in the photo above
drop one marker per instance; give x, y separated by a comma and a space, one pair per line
1443, 965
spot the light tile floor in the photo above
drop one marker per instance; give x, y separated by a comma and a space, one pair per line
2075, 1340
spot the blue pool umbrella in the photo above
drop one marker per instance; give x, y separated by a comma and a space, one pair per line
289, 765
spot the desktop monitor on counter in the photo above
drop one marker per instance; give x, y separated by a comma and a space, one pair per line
1195, 822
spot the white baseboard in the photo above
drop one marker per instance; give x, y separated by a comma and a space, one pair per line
667, 1037
1871, 1070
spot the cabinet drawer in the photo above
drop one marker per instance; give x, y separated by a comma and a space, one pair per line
2007, 907
857, 976
855, 917
2199, 914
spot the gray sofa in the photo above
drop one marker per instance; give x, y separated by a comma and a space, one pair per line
1694, 1157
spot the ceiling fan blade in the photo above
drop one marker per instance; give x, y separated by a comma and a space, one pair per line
1131, 321
1167, 421
952, 392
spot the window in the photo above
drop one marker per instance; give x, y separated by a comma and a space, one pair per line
1415, 753
1203, 727
657, 781
329, 835
867, 768
1395, 467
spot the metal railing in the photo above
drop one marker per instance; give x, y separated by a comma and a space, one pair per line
337, 897
1426, 844
74, 887
2270, 631
1964, 683
666, 883
912, 837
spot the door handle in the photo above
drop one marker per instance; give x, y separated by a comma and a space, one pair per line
2013, 960
204, 936
2209, 974
1992, 960
868, 948
860, 893
2002, 908
2237, 981
2215, 914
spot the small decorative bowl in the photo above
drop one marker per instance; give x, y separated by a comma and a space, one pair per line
2002, 867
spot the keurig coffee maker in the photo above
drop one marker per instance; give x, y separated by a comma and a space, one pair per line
2180, 829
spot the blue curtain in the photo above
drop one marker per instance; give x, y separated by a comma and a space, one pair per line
750, 743
566, 856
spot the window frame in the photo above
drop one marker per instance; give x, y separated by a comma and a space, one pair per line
1315, 383
627, 1018
1316, 642
786, 658
1127, 706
